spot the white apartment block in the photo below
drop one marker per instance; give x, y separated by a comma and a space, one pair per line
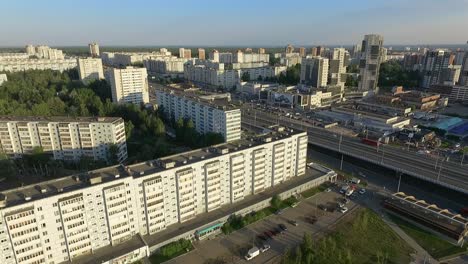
3, 78
337, 68
15, 65
314, 71
458, 94
44, 52
13, 55
242, 57
463, 79
129, 85
71, 219
65, 138
209, 72
129, 58
108, 58
369, 64
165, 65
90, 69
207, 113
185, 53
94, 49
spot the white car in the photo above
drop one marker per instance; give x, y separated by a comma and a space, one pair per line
343, 210
341, 205
362, 191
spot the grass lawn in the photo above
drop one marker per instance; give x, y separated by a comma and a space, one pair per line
364, 239
313, 191
175, 249
433, 244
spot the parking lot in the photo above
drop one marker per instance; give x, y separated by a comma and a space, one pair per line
233, 247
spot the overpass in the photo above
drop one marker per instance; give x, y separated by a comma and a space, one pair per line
448, 174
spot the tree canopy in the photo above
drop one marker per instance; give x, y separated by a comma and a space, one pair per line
392, 73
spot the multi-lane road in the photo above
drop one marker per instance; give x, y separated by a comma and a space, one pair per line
438, 171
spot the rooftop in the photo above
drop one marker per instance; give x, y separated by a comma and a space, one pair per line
45, 189
58, 119
218, 100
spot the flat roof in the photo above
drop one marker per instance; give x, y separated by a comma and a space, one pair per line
58, 119
202, 97
66, 184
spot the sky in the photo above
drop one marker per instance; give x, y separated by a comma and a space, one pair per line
231, 23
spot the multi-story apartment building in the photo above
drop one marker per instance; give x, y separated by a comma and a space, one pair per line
241, 57
209, 112
14, 55
108, 58
129, 85
130, 58
314, 71
165, 65
302, 51
44, 52
14, 65
65, 138
90, 69
72, 218
289, 49
94, 49
201, 54
369, 64
212, 73
463, 80
3, 78
185, 53
261, 51
435, 66
337, 67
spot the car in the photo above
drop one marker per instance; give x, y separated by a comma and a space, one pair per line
283, 226
327, 190
265, 248
279, 230
252, 253
345, 200
341, 205
279, 212
344, 210
362, 191
322, 207
268, 234
262, 237
294, 223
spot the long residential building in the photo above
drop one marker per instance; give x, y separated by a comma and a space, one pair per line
15, 65
72, 218
435, 65
90, 69
314, 71
209, 112
165, 65
129, 85
63, 137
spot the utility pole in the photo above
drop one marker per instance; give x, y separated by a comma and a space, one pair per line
399, 181
341, 165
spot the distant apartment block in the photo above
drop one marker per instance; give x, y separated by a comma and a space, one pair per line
201, 54
129, 85
94, 49
369, 64
90, 69
165, 65
463, 80
185, 53
71, 219
44, 52
209, 112
65, 138
120, 59
314, 71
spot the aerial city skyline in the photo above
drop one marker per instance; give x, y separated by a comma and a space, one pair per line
207, 132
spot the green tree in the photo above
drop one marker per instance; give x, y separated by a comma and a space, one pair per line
275, 202
392, 73
245, 76
128, 129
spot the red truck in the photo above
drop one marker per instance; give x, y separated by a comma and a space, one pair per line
371, 142
464, 211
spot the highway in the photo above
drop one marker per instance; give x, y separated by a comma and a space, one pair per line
438, 171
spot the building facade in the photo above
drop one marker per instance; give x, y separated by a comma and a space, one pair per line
201, 54
369, 64
337, 67
207, 113
64, 138
68, 219
463, 80
165, 65
90, 69
129, 85
314, 71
